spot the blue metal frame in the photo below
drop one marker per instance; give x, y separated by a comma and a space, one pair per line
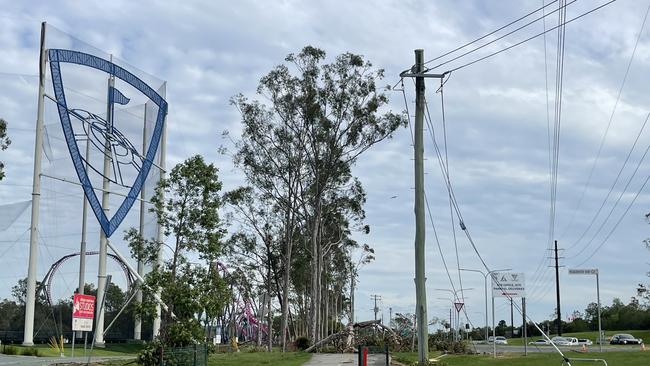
57, 56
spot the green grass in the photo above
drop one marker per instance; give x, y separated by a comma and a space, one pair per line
644, 334
112, 349
259, 358
410, 358
535, 359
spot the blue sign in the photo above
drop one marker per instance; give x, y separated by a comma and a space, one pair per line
58, 56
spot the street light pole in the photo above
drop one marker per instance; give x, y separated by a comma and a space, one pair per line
485, 276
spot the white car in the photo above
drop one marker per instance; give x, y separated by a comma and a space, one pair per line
501, 340
573, 341
584, 341
560, 341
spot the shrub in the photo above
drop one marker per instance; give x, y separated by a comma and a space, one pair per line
10, 350
302, 343
29, 351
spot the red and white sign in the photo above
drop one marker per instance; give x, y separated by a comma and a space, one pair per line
459, 306
83, 312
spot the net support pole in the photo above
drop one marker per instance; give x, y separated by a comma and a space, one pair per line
82, 248
160, 234
30, 300
101, 272
137, 327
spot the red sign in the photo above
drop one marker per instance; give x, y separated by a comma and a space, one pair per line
459, 306
83, 306
83, 312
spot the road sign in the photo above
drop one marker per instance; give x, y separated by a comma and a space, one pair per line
508, 284
459, 306
83, 312
586, 271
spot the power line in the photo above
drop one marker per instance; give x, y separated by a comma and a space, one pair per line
498, 38
609, 123
530, 38
491, 33
611, 188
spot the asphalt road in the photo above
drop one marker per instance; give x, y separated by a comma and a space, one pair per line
487, 348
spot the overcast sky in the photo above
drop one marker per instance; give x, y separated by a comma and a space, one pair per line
496, 115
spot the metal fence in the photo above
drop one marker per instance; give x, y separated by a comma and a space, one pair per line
196, 355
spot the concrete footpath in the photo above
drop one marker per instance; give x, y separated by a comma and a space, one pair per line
343, 359
6, 360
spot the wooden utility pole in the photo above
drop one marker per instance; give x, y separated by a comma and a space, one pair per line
419, 74
557, 293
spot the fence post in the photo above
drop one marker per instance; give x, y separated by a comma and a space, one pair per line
194, 354
387, 355
360, 356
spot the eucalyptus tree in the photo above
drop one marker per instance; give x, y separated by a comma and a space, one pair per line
299, 144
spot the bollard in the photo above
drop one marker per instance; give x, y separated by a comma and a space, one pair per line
365, 356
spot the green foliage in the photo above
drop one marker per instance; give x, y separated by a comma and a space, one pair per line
4, 143
302, 343
9, 350
186, 206
30, 351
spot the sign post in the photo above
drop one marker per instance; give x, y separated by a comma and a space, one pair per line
592, 271
506, 284
83, 313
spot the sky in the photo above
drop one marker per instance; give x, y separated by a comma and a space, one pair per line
497, 113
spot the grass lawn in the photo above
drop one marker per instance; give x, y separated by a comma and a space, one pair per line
259, 358
643, 334
112, 349
535, 359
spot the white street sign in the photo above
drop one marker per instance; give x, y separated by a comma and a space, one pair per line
584, 271
508, 284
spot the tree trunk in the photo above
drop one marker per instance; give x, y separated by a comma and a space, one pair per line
285, 291
352, 281
315, 276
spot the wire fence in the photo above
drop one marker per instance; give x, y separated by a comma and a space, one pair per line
196, 355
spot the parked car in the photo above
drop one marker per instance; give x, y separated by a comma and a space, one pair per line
560, 341
490, 339
584, 341
625, 339
540, 342
573, 341
501, 340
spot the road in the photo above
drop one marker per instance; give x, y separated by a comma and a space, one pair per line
487, 348
6, 360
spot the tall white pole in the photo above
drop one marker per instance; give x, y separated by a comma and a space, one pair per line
160, 235
486, 308
101, 273
494, 333
600, 331
82, 248
30, 300
137, 327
